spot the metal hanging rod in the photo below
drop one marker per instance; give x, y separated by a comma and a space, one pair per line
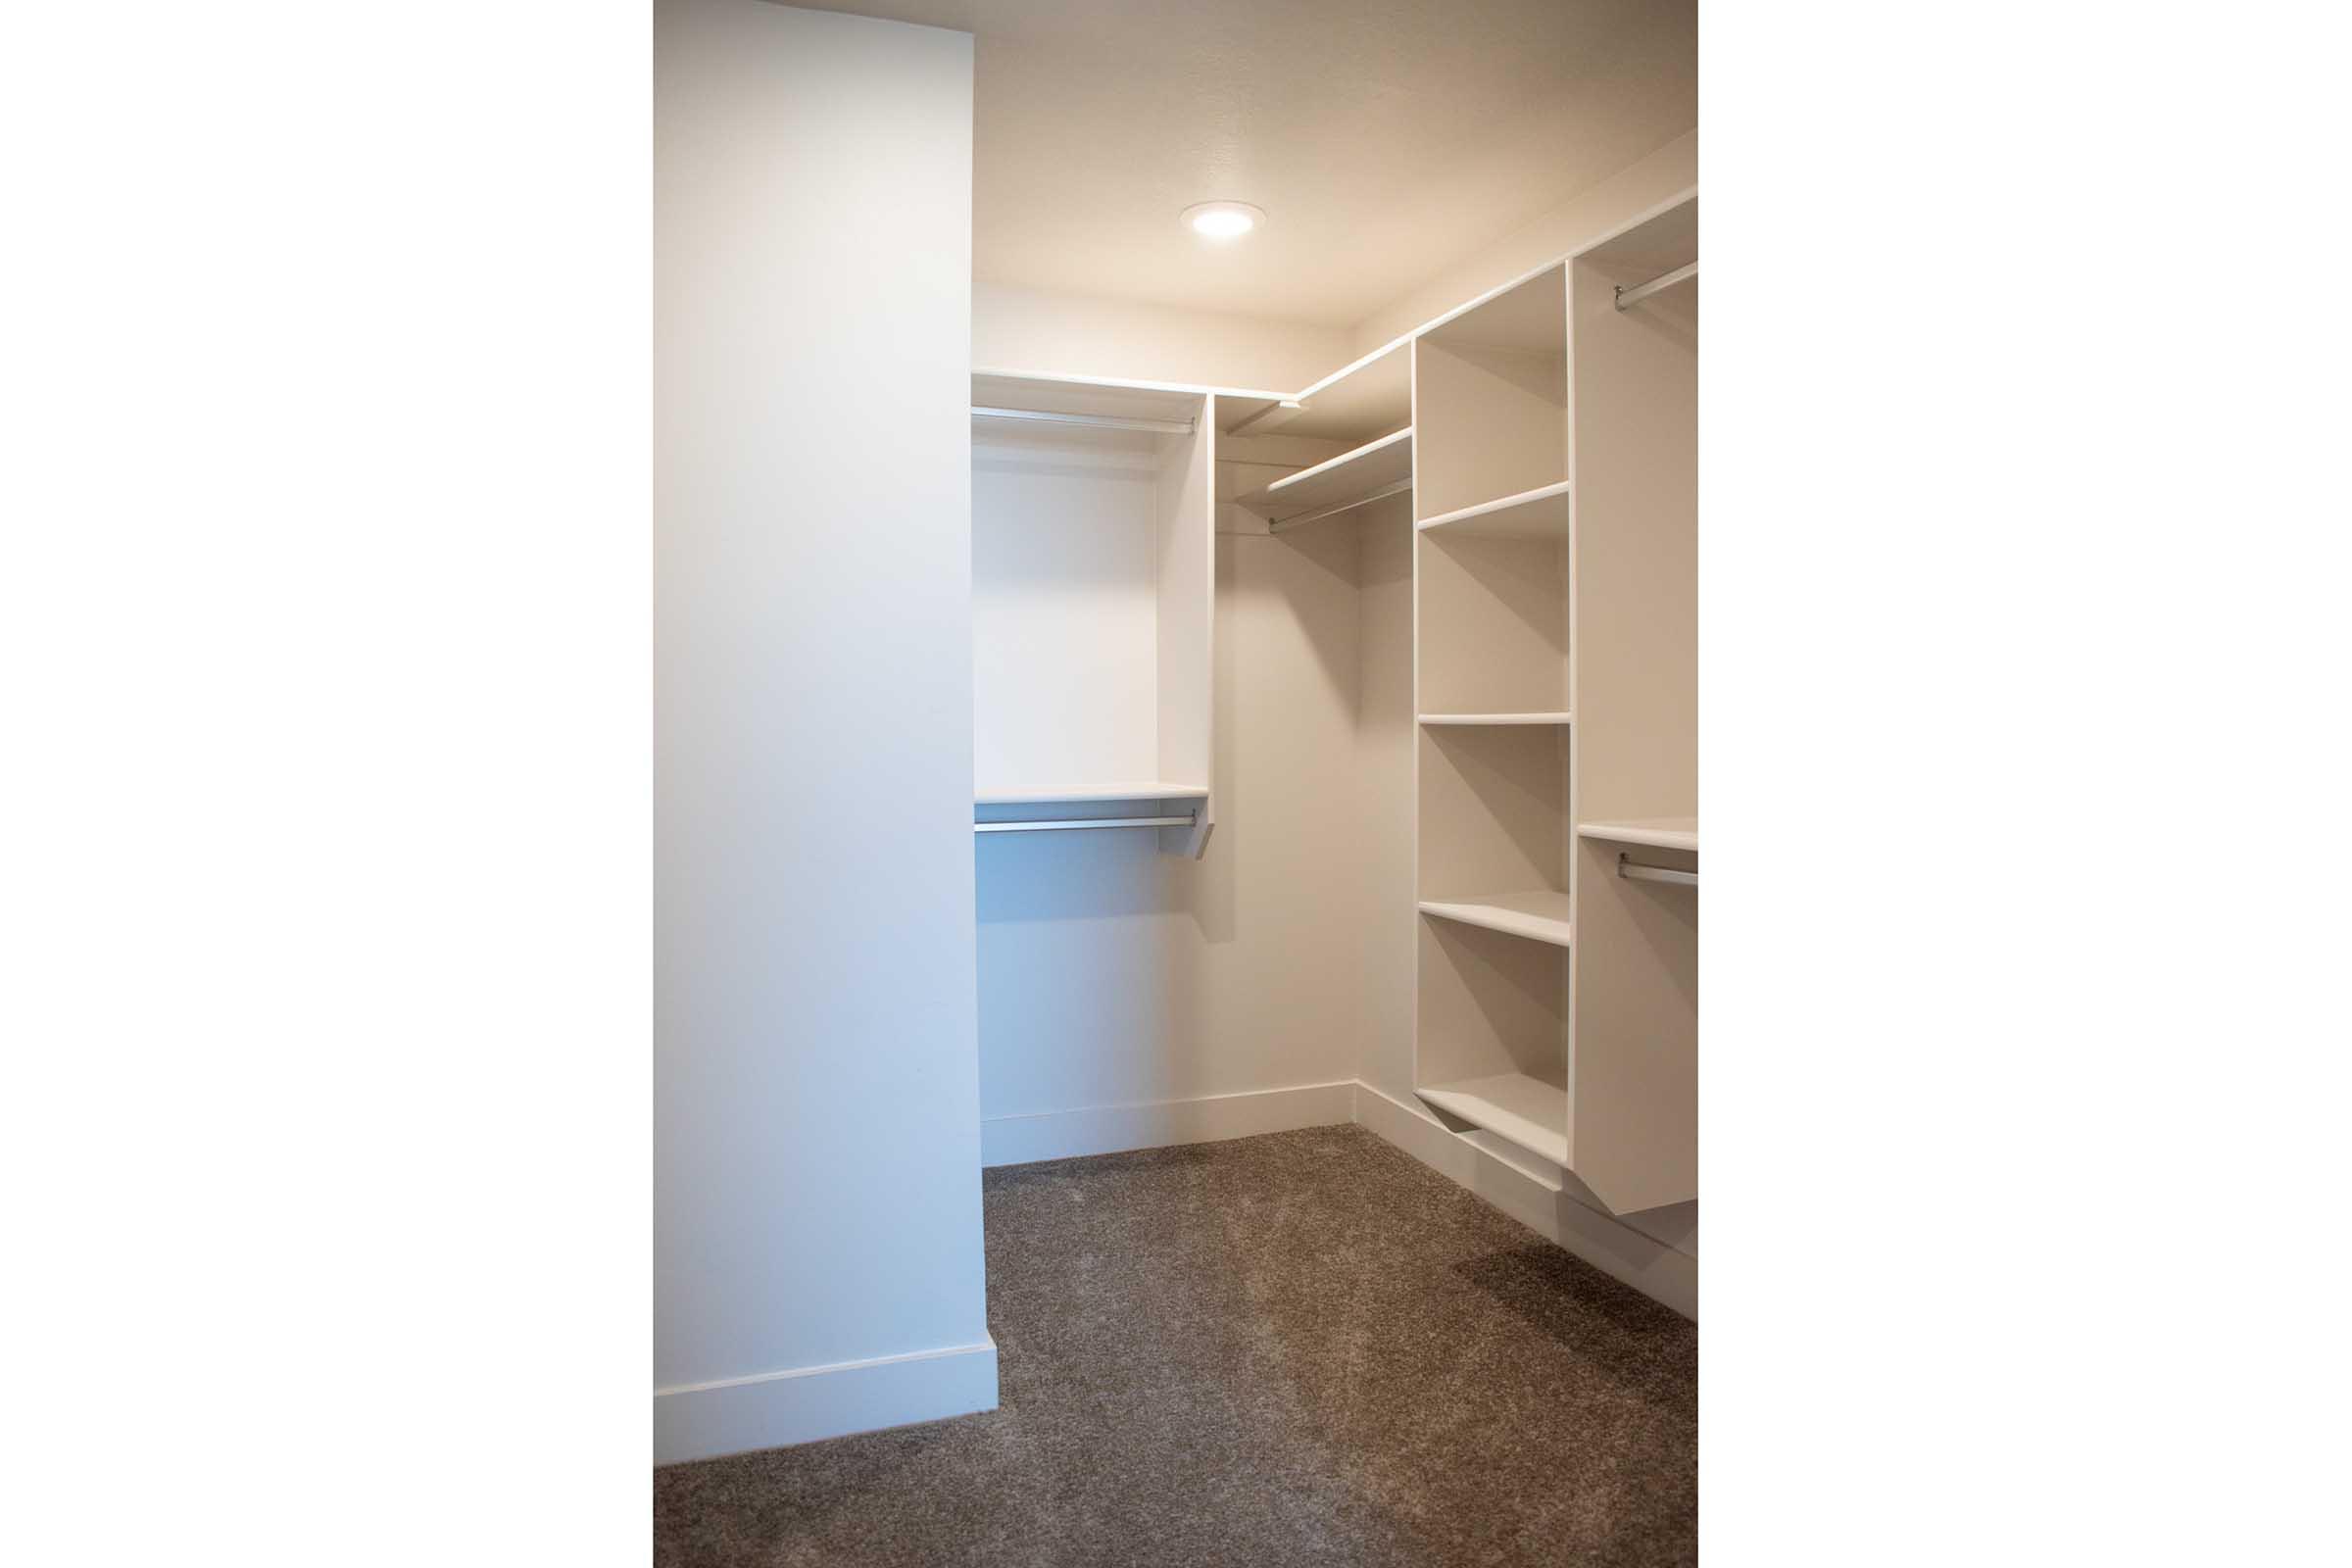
1636, 871
1105, 422
1082, 821
1641, 291
1381, 494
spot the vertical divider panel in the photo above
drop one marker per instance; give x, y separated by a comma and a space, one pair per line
1634, 989
1187, 576
1411, 912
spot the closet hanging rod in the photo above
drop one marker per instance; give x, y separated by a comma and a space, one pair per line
1641, 291
1104, 422
1381, 494
1082, 821
1636, 871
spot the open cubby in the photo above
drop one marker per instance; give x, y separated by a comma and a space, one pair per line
1092, 580
1493, 1033
1490, 400
1493, 814
1495, 633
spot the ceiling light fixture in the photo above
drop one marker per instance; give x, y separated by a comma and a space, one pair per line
1222, 221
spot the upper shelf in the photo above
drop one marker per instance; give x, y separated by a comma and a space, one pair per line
1369, 397
1538, 513
1152, 409
1142, 790
1539, 917
1558, 717
1373, 469
1658, 832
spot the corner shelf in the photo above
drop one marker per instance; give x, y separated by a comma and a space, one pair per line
1372, 470
1559, 717
1539, 514
1658, 832
1513, 1107
1369, 398
1540, 915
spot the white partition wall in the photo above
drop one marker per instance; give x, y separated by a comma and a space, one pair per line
817, 1240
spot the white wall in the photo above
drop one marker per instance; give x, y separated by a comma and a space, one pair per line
1113, 975
1074, 334
817, 1244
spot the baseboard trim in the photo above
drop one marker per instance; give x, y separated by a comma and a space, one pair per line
1650, 1266
1112, 1129
801, 1404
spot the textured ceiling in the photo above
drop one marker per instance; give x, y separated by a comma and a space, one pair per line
1384, 138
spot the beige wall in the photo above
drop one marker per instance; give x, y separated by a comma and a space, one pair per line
1076, 334
1575, 223
1017, 328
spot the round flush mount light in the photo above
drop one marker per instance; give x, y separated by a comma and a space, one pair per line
1222, 221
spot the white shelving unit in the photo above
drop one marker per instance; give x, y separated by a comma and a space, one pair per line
1554, 645
1093, 611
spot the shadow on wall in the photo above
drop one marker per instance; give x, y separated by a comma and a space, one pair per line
1097, 873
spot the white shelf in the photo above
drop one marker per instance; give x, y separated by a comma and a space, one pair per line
1560, 717
1369, 398
1658, 832
1145, 790
1523, 1111
1541, 513
1539, 917
1357, 476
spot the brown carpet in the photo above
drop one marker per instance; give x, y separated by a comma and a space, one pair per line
1305, 1347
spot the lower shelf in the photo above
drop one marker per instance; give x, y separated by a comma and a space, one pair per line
1540, 915
1523, 1111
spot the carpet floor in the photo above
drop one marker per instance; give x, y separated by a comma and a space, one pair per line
1299, 1348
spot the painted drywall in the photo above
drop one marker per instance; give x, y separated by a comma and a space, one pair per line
817, 1234
1113, 975
1569, 227
1054, 334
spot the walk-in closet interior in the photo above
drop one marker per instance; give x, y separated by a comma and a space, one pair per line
1177, 589
1454, 809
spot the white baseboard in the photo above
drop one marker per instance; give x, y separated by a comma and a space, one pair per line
770, 1409
1650, 1266
1111, 1129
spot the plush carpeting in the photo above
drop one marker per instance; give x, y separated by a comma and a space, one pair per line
1298, 1349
